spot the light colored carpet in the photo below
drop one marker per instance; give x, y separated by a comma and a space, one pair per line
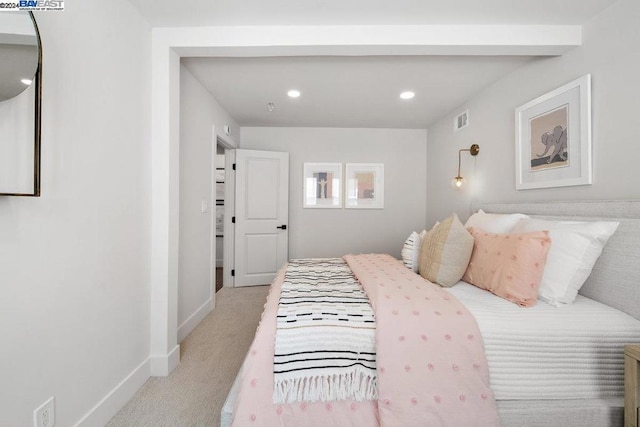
210, 358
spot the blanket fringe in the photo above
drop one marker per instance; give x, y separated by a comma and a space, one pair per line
358, 386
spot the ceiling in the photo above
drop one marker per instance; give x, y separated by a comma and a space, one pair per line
355, 91
346, 91
171, 13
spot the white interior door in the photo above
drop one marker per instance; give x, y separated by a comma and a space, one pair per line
261, 215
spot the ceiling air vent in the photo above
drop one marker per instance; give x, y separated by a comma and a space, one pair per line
461, 121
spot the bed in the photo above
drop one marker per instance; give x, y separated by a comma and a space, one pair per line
578, 386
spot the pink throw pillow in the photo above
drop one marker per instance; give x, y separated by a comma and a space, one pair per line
509, 265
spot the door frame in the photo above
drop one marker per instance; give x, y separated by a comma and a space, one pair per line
229, 146
229, 241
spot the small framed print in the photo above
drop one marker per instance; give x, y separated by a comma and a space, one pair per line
322, 187
553, 138
365, 186
219, 219
220, 184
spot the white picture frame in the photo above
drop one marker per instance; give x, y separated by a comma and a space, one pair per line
553, 138
322, 186
364, 186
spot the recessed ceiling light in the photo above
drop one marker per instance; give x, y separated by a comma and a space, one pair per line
407, 94
26, 81
293, 93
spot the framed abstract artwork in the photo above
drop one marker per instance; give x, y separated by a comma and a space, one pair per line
553, 138
365, 186
219, 219
322, 186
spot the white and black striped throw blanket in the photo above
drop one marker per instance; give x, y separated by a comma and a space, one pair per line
325, 336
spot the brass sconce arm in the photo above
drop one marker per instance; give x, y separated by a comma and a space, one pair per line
473, 150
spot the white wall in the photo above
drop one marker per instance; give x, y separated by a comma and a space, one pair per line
74, 263
333, 232
199, 113
611, 54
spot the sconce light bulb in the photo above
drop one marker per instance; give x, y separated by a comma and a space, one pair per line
457, 182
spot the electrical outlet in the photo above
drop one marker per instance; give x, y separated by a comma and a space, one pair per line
45, 415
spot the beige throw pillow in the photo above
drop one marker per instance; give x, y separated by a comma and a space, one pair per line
445, 252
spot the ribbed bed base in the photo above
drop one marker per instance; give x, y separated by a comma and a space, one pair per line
521, 413
226, 415
566, 413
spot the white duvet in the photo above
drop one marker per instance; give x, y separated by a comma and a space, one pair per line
543, 352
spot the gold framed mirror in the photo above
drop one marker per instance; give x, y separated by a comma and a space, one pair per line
20, 104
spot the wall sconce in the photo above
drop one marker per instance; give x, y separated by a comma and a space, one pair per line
458, 180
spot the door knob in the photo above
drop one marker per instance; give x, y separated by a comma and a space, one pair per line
282, 227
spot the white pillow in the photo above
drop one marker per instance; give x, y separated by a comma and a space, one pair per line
575, 248
494, 223
411, 250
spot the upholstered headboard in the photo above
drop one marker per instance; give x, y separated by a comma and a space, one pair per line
615, 279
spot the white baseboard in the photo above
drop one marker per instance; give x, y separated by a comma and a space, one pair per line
194, 320
100, 414
162, 366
